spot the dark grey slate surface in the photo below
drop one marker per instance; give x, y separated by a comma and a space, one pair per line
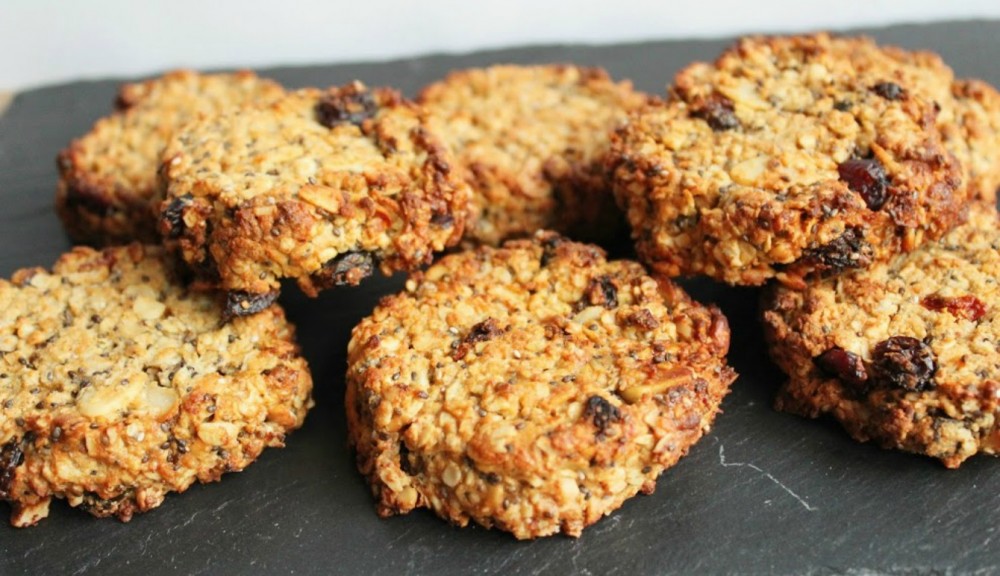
763, 493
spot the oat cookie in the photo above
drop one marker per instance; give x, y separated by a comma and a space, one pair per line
904, 353
533, 387
788, 156
531, 140
322, 187
974, 136
107, 178
118, 385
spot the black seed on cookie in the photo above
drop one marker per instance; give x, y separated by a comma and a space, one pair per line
602, 412
849, 250
968, 307
245, 303
719, 112
352, 107
846, 366
889, 90
173, 216
347, 269
867, 177
600, 292
903, 362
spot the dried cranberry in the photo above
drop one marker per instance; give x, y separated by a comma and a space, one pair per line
903, 362
849, 250
600, 292
347, 269
247, 303
845, 365
11, 456
173, 216
968, 307
486, 330
351, 105
867, 177
719, 112
602, 412
889, 90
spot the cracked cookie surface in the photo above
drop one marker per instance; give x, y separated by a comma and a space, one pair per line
903, 354
531, 140
107, 178
119, 386
322, 186
786, 157
532, 387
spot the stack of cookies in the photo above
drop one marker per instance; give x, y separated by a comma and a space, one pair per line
861, 181
522, 380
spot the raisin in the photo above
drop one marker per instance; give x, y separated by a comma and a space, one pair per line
348, 268
351, 105
843, 105
867, 177
404, 459
903, 362
11, 456
247, 303
719, 112
602, 412
442, 220
486, 330
889, 90
849, 250
968, 307
845, 365
173, 216
549, 245
600, 292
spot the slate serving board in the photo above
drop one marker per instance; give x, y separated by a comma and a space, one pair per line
762, 493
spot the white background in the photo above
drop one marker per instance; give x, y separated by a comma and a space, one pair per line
47, 41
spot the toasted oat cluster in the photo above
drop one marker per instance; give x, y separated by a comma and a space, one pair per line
905, 353
532, 387
322, 186
789, 156
530, 140
118, 385
107, 178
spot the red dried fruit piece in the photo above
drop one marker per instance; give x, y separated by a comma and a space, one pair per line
602, 412
347, 269
719, 112
889, 90
847, 366
903, 362
867, 177
968, 307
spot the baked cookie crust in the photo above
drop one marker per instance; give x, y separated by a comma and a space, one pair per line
786, 157
903, 354
119, 386
532, 387
531, 140
107, 178
321, 187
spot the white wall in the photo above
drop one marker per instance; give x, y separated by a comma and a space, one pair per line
47, 41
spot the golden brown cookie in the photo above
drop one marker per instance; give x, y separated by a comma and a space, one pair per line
531, 140
789, 156
322, 187
107, 178
118, 385
532, 387
904, 353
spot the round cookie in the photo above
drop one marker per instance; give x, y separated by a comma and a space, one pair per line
789, 156
118, 385
904, 353
532, 387
531, 140
107, 178
322, 187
